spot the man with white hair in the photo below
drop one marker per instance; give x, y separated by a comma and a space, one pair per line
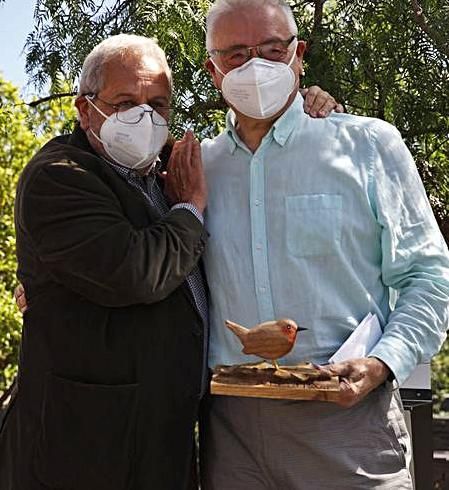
315, 220
111, 368
113, 349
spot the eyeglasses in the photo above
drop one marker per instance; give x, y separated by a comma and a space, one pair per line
125, 115
239, 55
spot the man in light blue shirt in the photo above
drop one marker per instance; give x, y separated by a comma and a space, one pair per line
316, 220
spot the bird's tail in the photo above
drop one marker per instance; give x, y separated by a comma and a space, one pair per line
237, 329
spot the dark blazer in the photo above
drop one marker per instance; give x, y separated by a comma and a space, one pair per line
111, 352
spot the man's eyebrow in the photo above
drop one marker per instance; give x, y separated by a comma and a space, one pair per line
124, 94
160, 99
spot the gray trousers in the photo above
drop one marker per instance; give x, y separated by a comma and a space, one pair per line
263, 444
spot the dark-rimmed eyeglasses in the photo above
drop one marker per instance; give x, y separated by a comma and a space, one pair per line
275, 50
134, 117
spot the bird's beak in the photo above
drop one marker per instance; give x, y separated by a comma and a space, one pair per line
302, 328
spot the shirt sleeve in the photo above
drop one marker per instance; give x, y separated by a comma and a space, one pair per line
82, 236
193, 209
415, 259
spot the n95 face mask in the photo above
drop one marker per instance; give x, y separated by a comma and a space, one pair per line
260, 88
133, 144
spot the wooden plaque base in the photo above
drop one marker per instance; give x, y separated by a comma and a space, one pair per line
262, 380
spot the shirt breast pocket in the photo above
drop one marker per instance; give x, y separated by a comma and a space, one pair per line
313, 224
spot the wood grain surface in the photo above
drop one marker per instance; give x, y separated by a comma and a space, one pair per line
262, 380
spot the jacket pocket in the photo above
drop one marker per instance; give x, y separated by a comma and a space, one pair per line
87, 435
313, 226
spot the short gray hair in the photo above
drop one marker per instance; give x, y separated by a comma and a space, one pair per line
119, 46
221, 7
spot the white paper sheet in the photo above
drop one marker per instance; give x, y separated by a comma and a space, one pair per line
361, 341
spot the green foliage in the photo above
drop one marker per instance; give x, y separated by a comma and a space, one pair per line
440, 376
385, 59
380, 58
22, 132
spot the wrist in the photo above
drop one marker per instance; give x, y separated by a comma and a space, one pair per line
381, 370
199, 205
192, 208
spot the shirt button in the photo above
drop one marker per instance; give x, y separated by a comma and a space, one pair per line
262, 289
259, 246
257, 202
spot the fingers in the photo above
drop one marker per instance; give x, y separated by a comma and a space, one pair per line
180, 158
196, 153
350, 389
328, 104
342, 369
19, 291
358, 377
19, 296
182, 151
185, 180
350, 393
309, 95
319, 103
188, 141
351, 384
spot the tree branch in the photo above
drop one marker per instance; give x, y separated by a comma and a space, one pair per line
434, 150
317, 21
421, 21
35, 103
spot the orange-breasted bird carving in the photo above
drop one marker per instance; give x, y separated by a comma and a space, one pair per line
269, 340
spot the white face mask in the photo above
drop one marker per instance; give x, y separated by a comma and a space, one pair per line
134, 146
260, 88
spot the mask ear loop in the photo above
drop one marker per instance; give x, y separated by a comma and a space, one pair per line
294, 54
89, 99
217, 68
297, 84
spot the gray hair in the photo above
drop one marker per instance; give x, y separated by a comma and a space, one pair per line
119, 46
221, 7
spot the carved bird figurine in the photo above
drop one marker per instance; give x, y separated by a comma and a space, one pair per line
269, 340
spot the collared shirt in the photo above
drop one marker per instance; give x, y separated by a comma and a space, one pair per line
147, 185
327, 221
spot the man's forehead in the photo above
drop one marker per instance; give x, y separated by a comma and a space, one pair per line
124, 75
250, 26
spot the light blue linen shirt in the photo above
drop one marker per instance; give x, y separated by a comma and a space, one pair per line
321, 224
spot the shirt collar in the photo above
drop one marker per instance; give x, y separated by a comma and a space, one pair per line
281, 129
231, 132
291, 119
153, 169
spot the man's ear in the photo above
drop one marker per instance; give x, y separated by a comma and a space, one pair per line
216, 78
83, 111
301, 48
